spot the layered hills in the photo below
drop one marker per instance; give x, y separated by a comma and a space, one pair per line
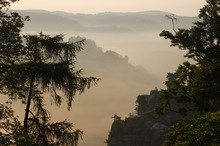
123, 49
42, 20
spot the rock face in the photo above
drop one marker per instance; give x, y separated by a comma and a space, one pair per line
146, 129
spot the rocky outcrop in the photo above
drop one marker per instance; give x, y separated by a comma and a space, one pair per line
146, 129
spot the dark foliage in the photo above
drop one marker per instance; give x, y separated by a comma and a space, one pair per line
30, 66
203, 130
196, 83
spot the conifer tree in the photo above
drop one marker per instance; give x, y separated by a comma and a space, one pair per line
35, 67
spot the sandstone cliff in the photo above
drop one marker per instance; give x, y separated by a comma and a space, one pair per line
146, 129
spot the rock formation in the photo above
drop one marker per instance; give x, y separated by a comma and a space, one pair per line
144, 129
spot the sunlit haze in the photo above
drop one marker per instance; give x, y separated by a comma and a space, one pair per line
186, 7
142, 62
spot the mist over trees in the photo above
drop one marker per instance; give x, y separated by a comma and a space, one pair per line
115, 71
39, 66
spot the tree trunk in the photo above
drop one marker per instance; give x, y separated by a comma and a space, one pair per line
28, 103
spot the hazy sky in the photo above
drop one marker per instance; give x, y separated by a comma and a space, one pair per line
179, 7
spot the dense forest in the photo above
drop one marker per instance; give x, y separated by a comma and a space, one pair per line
38, 66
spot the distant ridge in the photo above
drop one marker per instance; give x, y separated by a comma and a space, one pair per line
47, 11
126, 22
147, 12
154, 12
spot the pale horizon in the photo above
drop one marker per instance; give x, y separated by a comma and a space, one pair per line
183, 8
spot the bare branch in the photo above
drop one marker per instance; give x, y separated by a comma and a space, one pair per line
173, 19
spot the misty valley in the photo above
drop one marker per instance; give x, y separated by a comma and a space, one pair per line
128, 78
123, 49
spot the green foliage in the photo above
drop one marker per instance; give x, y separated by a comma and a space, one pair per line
202, 130
196, 86
197, 83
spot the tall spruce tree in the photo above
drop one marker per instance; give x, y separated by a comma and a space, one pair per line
32, 65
